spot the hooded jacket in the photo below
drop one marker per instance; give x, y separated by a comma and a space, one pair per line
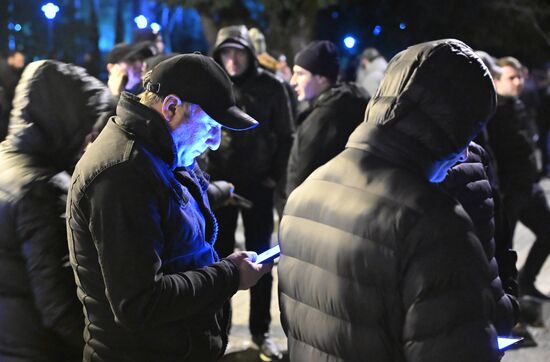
141, 241
55, 106
469, 183
262, 153
324, 129
377, 262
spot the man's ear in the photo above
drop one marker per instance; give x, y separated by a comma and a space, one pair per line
169, 105
323, 81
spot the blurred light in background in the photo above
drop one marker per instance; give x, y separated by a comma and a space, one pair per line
349, 41
155, 27
377, 30
50, 10
141, 21
402, 26
17, 27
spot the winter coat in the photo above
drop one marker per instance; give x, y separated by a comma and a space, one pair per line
324, 130
253, 157
55, 106
141, 238
377, 262
469, 184
511, 147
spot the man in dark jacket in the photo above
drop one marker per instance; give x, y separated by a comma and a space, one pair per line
514, 153
334, 112
10, 72
141, 233
41, 318
254, 163
377, 261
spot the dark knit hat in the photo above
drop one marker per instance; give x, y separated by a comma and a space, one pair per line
320, 57
198, 79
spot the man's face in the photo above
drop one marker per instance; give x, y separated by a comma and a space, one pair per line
234, 60
194, 134
510, 82
17, 60
134, 70
305, 84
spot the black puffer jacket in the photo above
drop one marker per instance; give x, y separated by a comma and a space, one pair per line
141, 238
377, 262
323, 130
468, 182
262, 153
55, 106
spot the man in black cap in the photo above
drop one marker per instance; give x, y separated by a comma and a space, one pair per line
125, 64
141, 233
255, 163
335, 109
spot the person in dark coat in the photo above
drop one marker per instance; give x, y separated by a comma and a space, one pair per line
55, 106
334, 112
10, 72
254, 162
140, 229
514, 152
469, 182
378, 262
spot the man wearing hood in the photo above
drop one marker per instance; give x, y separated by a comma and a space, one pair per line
41, 318
254, 162
377, 261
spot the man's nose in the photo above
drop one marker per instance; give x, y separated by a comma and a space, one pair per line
293, 81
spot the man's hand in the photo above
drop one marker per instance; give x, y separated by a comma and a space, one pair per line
249, 271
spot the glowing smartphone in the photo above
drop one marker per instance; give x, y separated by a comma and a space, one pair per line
269, 255
505, 342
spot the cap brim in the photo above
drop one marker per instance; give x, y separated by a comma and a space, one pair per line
234, 119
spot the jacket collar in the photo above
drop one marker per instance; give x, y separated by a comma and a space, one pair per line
147, 126
393, 146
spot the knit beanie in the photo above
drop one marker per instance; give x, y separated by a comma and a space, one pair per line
319, 57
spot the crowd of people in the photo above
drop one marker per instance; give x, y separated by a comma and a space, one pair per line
397, 195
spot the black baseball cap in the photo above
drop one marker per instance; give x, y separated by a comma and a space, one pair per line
198, 79
128, 52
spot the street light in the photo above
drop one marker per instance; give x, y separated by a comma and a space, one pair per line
141, 21
155, 27
50, 10
349, 42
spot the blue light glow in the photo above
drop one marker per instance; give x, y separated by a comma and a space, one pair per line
50, 10
10, 26
334, 15
141, 21
349, 41
402, 26
155, 27
17, 27
377, 30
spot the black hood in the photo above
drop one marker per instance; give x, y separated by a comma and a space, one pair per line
235, 34
437, 94
54, 108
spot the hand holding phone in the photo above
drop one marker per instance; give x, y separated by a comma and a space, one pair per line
269, 255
